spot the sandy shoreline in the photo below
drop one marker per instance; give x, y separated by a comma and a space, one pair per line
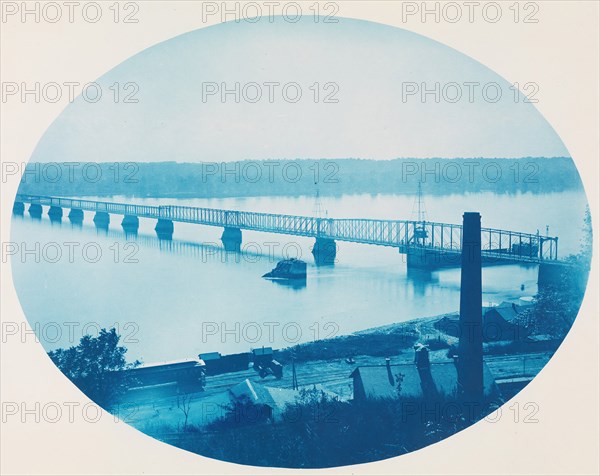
401, 326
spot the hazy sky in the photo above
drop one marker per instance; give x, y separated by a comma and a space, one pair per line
371, 65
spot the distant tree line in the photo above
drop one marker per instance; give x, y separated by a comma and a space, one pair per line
300, 177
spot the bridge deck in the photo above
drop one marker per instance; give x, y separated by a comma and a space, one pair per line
503, 245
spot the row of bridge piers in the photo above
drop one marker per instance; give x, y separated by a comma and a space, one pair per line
324, 249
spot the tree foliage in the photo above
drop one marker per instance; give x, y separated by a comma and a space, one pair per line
94, 364
585, 254
556, 305
320, 431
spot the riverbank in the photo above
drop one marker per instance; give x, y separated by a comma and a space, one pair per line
381, 341
329, 363
397, 338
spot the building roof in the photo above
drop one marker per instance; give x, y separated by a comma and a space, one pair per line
217, 405
210, 356
169, 364
508, 310
507, 313
276, 398
506, 307
441, 379
456, 315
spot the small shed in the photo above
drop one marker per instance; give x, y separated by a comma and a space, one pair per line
504, 322
500, 323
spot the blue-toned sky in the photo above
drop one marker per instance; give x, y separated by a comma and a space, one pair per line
369, 63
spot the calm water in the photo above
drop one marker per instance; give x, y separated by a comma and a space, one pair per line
173, 300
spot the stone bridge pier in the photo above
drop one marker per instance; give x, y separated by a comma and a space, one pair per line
324, 251
164, 229
19, 208
232, 239
35, 210
550, 274
130, 225
55, 214
76, 216
102, 220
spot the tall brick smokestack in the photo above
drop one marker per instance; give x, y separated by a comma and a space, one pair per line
470, 344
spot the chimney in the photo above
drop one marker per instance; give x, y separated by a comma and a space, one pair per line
470, 344
389, 371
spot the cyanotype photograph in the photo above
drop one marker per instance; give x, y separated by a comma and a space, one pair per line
299, 240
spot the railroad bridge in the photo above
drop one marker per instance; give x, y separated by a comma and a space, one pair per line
428, 245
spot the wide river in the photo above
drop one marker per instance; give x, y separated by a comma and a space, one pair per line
173, 300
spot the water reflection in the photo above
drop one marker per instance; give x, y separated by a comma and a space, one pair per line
172, 288
421, 279
295, 284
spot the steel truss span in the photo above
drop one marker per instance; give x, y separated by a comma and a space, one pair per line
403, 234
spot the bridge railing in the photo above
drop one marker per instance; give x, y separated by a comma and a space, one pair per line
268, 222
441, 237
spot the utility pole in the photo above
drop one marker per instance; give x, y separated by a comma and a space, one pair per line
420, 233
294, 377
318, 206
